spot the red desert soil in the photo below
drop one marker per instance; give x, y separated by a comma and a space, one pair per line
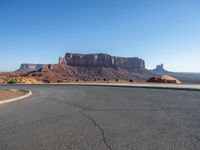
164, 79
12, 77
7, 94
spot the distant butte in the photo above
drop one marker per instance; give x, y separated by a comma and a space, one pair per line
182, 76
160, 70
94, 67
25, 68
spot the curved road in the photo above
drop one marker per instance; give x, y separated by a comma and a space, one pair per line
63, 117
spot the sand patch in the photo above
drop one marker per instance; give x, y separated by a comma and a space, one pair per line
8, 94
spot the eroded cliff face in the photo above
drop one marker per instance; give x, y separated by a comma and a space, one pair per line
94, 66
104, 60
25, 68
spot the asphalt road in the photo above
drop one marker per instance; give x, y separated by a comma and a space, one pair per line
63, 117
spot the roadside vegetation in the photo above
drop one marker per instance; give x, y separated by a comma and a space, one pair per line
14, 78
12, 81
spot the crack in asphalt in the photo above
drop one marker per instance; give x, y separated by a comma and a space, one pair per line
99, 127
197, 138
86, 108
89, 118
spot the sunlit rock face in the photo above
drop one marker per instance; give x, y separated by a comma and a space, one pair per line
104, 60
164, 79
94, 67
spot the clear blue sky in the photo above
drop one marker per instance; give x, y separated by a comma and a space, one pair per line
158, 31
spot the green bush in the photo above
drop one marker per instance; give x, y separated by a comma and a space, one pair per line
12, 81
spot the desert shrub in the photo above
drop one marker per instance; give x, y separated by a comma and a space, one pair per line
117, 80
104, 79
76, 80
130, 80
12, 81
47, 81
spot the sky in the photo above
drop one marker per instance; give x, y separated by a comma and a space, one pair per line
158, 31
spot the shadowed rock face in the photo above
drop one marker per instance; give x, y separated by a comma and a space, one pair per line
104, 60
25, 68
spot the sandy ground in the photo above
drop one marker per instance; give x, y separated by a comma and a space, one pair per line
7, 94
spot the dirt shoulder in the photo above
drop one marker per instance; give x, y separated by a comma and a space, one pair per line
8, 94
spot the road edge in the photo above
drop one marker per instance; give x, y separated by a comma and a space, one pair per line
29, 93
146, 86
187, 87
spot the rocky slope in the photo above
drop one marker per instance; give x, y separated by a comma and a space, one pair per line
94, 67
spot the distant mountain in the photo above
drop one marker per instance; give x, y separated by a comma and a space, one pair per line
184, 77
94, 67
25, 68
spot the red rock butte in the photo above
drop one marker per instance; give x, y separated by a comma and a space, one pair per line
93, 67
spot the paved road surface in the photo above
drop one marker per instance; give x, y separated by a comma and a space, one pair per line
63, 117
